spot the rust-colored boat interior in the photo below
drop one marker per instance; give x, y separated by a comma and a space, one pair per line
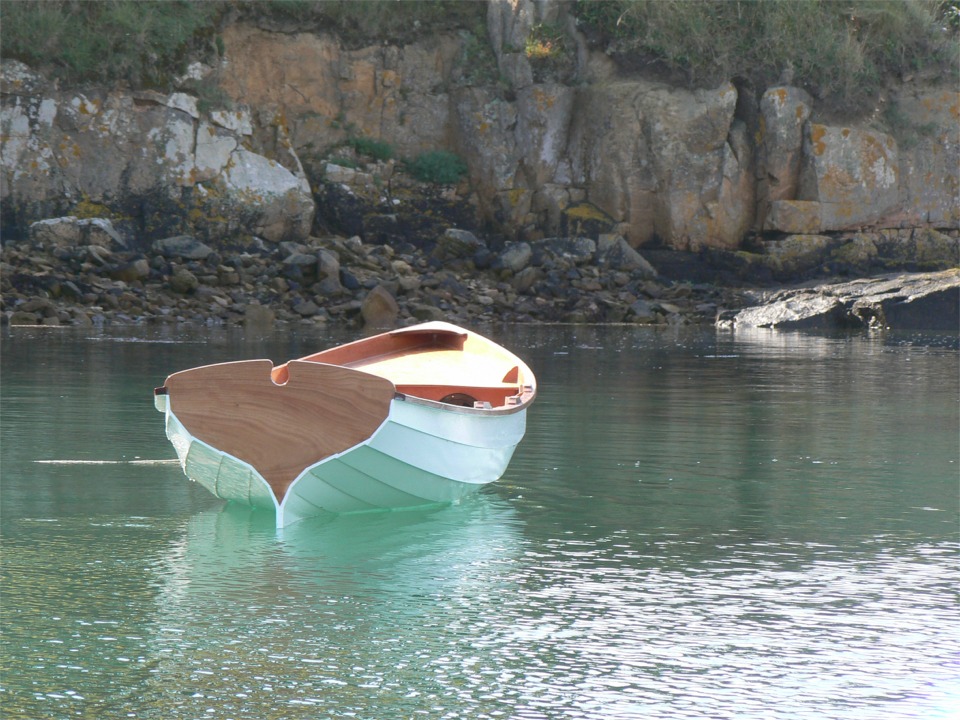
441, 365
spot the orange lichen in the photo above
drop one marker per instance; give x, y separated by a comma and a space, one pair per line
544, 100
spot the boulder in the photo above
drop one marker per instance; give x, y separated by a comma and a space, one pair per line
379, 308
131, 271
53, 232
853, 174
457, 244
614, 253
258, 317
184, 247
572, 250
258, 196
306, 308
328, 272
183, 281
72, 232
300, 266
515, 257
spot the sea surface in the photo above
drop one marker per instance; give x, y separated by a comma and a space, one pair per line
697, 525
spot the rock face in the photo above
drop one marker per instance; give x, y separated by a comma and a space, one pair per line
150, 158
851, 175
922, 301
930, 174
783, 113
573, 148
665, 163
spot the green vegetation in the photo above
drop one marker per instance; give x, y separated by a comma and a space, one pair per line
360, 23
146, 42
550, 52
344, 162
142, 42
545, 42
437, 166
840, 51
907, 131
477, 61
376, 149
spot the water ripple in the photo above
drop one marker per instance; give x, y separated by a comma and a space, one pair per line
698, 527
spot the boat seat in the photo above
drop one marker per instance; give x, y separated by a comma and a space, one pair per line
496, 395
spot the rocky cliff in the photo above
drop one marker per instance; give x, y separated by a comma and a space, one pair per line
551, 149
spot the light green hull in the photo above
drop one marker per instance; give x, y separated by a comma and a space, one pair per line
420, 455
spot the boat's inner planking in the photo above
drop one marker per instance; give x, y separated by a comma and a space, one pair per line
430, 364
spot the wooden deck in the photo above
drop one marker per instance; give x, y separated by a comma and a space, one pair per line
320, 410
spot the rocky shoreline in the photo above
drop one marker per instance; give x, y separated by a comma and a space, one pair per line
83, 272
80, 272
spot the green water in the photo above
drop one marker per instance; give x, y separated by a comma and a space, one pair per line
696, 526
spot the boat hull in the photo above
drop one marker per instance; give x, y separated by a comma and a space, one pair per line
421, 454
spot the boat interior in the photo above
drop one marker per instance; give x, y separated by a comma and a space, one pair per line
443, 365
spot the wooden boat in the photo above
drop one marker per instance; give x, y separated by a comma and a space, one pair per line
420, 415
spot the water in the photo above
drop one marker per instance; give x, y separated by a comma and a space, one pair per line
696, 526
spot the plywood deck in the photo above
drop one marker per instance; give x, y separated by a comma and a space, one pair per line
320, 410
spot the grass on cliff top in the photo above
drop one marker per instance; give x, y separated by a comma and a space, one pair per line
142, 42
842, 51
147, 42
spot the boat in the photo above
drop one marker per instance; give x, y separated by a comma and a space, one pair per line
416, 416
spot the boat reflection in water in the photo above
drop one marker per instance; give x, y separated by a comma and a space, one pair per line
251, 616
236, 551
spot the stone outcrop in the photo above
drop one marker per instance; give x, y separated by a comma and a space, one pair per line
922, 301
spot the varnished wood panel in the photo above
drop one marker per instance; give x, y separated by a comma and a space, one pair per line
320, 411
